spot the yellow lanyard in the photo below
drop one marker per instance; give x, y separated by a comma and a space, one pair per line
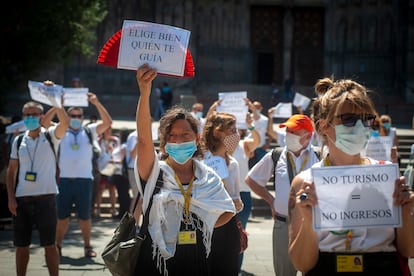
347, 233
186, 194
302, 166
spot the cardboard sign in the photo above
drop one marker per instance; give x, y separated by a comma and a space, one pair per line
161, 46
352, 197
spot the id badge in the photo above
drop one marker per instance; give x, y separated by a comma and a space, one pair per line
30, 176
75, 146
349, 263
187, 237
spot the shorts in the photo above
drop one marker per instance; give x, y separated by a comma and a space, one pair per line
39, 211
76, 191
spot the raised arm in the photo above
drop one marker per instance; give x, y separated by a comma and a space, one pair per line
103, 113
145, 147
63, 122
270, 131
251, 143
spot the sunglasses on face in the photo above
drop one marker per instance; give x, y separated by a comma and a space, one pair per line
31, 115
76, 116
350, 119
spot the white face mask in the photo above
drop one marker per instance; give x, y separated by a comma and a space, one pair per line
293, 142
352, 140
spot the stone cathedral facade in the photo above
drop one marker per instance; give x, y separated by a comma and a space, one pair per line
255, 46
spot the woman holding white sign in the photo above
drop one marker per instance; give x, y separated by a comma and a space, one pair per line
343, 115
220, 139
191, 200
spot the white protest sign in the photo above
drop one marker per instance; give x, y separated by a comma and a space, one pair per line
218, 164
50, 95
379, 148
75, 96
16, 127
282, 110
301, 100
234, 103
351, 197
161, 46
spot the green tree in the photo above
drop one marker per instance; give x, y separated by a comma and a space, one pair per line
37, 34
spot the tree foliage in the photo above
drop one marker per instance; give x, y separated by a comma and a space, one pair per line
40, 33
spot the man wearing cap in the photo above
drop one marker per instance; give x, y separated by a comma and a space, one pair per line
297, 155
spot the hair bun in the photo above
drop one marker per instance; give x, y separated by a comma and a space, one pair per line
323, 85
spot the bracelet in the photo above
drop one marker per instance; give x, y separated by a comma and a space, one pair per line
251, 128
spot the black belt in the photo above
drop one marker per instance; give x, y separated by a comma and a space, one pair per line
281, 218
36, 197
387, 262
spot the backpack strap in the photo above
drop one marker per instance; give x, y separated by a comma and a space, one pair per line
89, 134
276, 152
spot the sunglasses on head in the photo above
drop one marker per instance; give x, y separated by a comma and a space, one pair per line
350, 119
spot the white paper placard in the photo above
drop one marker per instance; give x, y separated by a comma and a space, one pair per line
234, 103
352, 197
301, 100
16, 127
379, 148
161, 46
75, 96
282, 110
50, 95
218, 164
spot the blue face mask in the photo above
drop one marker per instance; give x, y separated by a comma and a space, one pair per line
31, 122
181, 153
386, 125
199, 115
375, 133
75, 123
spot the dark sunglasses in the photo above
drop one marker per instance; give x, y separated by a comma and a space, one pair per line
32, 115
76, 116
350, 119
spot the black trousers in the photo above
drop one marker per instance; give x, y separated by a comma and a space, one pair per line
122, 186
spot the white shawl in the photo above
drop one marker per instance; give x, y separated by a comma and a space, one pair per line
209, 200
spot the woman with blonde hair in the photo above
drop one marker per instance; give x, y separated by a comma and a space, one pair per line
343, 114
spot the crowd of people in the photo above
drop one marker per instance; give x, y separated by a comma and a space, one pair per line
208, 168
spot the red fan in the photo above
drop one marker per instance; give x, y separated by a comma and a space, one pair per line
109, 56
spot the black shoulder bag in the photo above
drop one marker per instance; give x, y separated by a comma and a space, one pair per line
122, 252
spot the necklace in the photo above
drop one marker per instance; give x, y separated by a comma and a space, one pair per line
186, 193
302, 166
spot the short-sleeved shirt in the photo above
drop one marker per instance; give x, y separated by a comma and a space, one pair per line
243, 161
76, 161
36, 157
263, 170
366, 240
